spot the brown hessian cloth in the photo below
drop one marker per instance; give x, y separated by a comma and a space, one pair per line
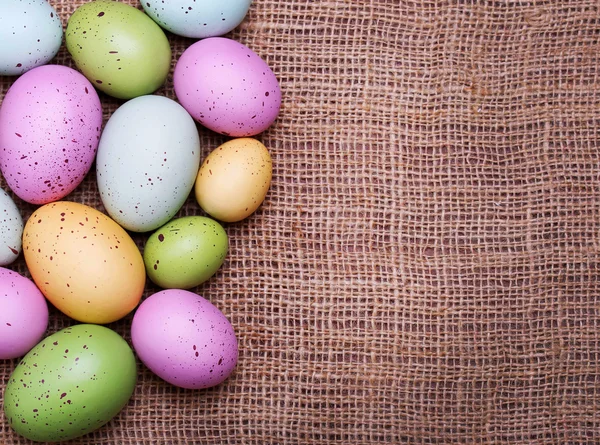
425, 267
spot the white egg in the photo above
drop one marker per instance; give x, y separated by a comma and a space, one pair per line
147, 162
31, 34
197, 18
11, 229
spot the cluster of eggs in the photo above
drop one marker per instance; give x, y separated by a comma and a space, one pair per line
147, 160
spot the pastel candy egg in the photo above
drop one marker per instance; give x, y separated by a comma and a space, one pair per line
227, 87
11, 229
50, 123
23, 314
146, 171
31, 35
197, 18
185, 252
85, 264
184, 339
118, 48
234, 179
70, 384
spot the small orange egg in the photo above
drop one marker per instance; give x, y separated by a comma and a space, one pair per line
234, 179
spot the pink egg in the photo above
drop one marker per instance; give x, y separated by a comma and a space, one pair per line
50, 123
23, 314
184, 339
227, 87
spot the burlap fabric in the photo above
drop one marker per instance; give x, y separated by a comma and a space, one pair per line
424, 269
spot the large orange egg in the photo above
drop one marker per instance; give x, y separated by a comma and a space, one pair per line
83, 262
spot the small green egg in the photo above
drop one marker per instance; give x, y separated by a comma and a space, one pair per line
118, 48
70, 384
185, 252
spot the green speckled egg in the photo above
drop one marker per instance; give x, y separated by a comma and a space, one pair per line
185, 252
70, 384
118, 48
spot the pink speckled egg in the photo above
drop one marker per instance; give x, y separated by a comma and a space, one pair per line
227, 87
23, 314
50, 123
184, 339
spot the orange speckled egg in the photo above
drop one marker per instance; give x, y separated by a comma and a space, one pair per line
234, 179
83, 262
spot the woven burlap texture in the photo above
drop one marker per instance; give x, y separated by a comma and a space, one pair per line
424, 269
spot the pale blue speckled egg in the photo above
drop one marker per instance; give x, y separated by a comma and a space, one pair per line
30, 35
197, 18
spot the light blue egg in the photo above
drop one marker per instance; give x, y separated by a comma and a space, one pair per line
11, 229
31, 34
147, 162
197, 18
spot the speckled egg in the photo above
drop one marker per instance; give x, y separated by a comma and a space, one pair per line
185, 252
146, 171
11, 229
234, 179
70, 384
50, 123
184, 339
31, 34
227, 87
23, 314
118, 48
83, 262
197, 18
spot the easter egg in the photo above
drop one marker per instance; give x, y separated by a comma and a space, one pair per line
83, 262
227, 87
118, 48
197, 18
31, 35
50, 123
234, 179
184, 339
145, 172
23, 314
185, 252
11, 229
70, 384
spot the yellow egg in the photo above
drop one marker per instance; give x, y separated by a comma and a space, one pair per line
83, 262
234, 179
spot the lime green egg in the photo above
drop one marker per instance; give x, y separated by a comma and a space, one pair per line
185, 252
118, 48
70, 384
